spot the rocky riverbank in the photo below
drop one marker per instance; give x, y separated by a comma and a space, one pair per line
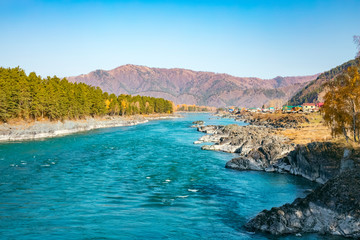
273, 120
261, 149
47, 129
333, 208
258, 149
264, 148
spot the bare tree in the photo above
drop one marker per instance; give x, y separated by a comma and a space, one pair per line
357, 42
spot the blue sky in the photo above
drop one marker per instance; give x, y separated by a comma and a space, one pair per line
250, 38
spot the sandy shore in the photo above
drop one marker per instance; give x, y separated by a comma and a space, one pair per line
47, 129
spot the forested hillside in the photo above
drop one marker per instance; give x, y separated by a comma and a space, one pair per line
313, 91
32, 97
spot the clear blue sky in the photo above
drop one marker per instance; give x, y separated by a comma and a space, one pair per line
259, 38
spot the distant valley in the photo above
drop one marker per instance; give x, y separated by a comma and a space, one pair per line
194, 87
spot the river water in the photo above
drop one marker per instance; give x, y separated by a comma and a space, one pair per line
140, 182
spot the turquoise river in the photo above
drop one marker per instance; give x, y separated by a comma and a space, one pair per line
140, 182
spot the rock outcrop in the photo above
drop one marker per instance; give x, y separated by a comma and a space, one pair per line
333, 208
197, 124
211, 129
258, 148
273, 120
214, 133
319, 161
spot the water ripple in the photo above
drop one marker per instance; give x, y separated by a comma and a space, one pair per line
141, 182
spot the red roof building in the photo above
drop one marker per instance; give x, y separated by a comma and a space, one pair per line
320, 104
309, 104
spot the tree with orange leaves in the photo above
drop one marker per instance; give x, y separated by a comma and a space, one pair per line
342, 103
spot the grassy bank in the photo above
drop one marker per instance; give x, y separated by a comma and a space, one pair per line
313, 130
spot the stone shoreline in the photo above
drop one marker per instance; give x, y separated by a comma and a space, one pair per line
47, 129
333, 208
260, 149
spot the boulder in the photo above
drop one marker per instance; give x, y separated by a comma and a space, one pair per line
197, 124
210, 129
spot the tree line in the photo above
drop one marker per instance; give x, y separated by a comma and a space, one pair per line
194, 108
32, 97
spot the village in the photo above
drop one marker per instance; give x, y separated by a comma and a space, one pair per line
304, 108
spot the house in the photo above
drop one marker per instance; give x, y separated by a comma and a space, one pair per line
231, 109
270, 109
309, 107
288, 108
241, 110
297, 108
320, 104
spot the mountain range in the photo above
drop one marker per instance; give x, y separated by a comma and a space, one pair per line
183, 86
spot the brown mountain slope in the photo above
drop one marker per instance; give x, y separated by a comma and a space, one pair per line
314, 91
191, 87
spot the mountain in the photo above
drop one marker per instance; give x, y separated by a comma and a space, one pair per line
192, 87
314, 91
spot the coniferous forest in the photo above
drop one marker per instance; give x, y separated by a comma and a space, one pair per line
32, 97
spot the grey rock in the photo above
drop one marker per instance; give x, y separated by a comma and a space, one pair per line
333, 208
258, 147
319, 161
270, 169
284, 121
210, 129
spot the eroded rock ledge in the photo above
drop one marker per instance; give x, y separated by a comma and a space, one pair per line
258, 148
273, 120
333, 208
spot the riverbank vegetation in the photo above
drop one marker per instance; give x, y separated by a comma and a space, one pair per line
314, 130
194, 108
342, 104
299, 128
31, 97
